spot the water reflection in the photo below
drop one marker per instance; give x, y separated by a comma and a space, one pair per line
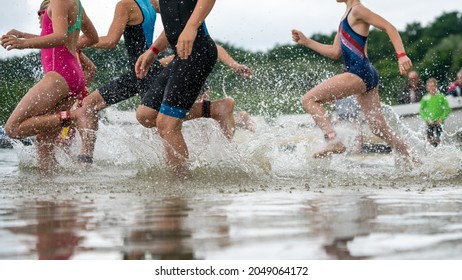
341, 220
258, 225
160, 233
46, 230
57, 230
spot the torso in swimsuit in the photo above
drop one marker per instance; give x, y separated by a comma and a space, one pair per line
355, 60
61, 60
138, 38
175, 15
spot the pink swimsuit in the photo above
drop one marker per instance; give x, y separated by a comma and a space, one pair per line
63, 62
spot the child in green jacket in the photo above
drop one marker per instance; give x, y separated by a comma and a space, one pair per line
434, 109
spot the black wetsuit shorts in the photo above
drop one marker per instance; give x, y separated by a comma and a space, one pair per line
128, 85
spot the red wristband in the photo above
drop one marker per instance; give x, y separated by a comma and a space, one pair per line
154, 49
401, 54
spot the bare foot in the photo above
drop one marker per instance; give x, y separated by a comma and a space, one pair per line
242, 120
180, 173
222, 112
337, 148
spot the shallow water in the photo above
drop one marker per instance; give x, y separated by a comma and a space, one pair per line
259, 197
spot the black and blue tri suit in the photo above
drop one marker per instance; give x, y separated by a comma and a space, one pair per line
178, 86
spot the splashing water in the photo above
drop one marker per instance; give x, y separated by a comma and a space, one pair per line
258, 196
280, 150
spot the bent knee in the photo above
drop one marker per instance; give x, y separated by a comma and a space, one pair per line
11, 132
307, 100
147, 117
229, 102
223, 107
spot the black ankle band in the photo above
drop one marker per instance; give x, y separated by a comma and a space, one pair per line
206, 108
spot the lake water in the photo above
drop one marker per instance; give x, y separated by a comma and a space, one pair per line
260, 196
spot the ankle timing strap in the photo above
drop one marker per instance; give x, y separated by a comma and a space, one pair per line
206, 108
64, 118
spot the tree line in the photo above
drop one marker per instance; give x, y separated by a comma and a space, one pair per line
281, 75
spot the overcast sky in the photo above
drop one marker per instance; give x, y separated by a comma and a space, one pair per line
255, 25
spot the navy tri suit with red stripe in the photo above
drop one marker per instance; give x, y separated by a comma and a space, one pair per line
354, 55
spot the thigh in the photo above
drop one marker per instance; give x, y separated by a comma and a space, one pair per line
370, 103
66, 104
182, 89
188, 76
169, 123
337, 87
43, 98
120, 89
154, 96
153, 74
128, 85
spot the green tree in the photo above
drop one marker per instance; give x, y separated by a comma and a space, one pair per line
281, 75
17, 75
444, 60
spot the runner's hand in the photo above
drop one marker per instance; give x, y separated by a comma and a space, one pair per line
16, 33
11, 42
243, 71
143, 63
185, 42
405, 65
298, 37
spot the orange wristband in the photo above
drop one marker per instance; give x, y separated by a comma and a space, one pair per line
154, 49
399, 55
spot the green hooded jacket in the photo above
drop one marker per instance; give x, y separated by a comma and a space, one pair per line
434, 107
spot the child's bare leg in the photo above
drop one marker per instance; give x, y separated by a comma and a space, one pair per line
372, 109
337, 87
